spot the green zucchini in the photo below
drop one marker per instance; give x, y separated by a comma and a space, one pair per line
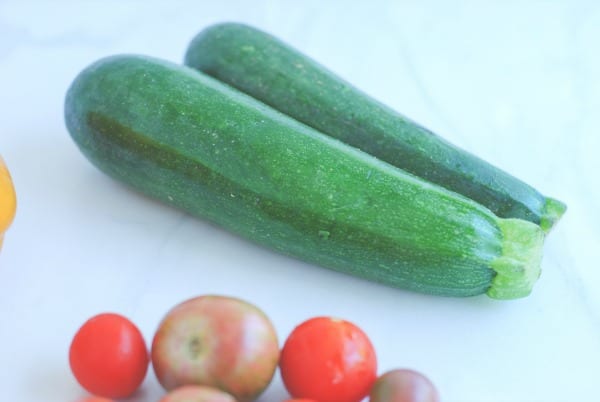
274, 73
185, 138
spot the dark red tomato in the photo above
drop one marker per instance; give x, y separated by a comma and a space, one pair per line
403, 385
108, 356
328, 360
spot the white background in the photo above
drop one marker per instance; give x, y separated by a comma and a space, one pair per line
517, 83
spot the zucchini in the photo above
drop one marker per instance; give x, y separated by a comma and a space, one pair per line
274, 73
185, 138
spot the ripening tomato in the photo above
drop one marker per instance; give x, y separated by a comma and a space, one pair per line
403, 385
108, 356
328, 360
217, 341
197, 393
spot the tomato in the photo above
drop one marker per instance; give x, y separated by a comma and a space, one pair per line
197, 393
217, 341
300, 400
95, 399
108, 356
329, 360
403, 385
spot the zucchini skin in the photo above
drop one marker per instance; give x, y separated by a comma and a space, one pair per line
186, 139
274, 73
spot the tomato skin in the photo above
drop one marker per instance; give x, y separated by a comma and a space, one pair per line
403, 385
95, 399
328, 360
300, 400
217, 341
197, 393
108, 356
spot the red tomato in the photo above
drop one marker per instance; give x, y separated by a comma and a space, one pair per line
108, 356
328, 360
403, 385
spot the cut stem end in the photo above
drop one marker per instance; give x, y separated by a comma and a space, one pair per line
519, 265
553, 210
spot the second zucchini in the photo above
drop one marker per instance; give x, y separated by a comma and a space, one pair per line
272, 72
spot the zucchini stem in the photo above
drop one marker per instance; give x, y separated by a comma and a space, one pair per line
553, 210
519, 264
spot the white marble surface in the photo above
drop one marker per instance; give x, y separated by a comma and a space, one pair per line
517, 83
